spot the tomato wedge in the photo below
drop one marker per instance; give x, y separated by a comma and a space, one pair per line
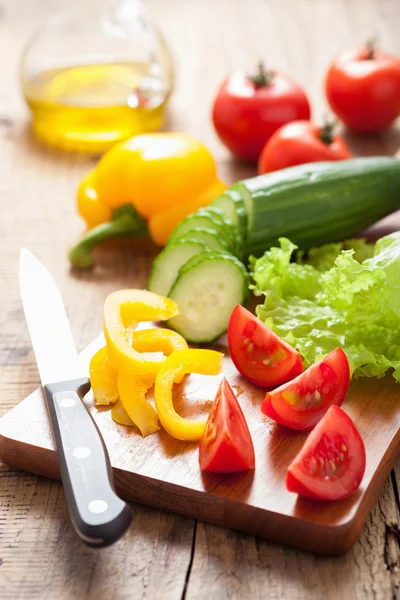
331, 463
302, 402
226, 445
258, 353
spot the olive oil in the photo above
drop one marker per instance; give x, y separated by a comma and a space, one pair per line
90, 107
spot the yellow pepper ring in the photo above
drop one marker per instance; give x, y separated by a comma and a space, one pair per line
158, 340
122, 312
178, 364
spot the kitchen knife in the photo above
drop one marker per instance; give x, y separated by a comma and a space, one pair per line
99, 516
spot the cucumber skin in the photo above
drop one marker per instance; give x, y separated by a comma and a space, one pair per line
238, 206
194, 262
186, 237
231, 230
241, 189
213, 223
324, 202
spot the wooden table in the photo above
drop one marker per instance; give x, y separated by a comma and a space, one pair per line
162, 555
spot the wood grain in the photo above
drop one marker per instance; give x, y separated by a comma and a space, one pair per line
208, 39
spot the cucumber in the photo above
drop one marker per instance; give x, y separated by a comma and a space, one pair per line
167, 264
202, 220
241, 189
221, 219
209, 237
318, 203
232, 204
207, 289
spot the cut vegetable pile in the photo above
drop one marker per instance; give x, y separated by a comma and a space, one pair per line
122, 372
311, 204
332, 462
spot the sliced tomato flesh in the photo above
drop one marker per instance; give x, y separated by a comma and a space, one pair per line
258, 353
331, 463
226, 445
302, 402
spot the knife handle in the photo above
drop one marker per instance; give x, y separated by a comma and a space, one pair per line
99, 516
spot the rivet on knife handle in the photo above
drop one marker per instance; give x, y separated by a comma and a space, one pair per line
99, 516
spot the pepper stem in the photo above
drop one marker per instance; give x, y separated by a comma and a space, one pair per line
262, 78
371, 47
125, 223
326, 135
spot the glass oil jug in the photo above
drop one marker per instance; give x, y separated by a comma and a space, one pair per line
96, 74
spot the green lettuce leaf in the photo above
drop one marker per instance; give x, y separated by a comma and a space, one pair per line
345, 294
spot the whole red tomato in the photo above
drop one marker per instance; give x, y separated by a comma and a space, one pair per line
363, 89
249, 109
301, 142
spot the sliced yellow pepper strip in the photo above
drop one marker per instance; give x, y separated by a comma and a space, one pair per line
132, 392
158, 340
120, 415
123, 310
103, 378
130, 389
205, 362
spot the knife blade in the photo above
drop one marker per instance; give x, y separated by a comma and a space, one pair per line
99, 516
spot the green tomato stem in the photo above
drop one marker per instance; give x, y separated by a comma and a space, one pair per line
262, 78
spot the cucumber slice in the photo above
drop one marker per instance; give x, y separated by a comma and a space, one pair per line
207, 289
232, 205
229, 227
167, 264
220, 218
202, 221
245, 194
209, 237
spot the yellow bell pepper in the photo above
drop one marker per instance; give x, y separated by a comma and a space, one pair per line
89, 205
119, 415
138, 180
158, 340
206, 362
103, 378
125, 392
126, 368
162, 224
154, 171
103, 375
132, 392
109, 386
123, 310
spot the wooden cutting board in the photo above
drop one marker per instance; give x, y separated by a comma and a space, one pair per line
163, 472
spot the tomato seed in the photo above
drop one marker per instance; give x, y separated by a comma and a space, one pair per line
313, 465
343, 447
333, 467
